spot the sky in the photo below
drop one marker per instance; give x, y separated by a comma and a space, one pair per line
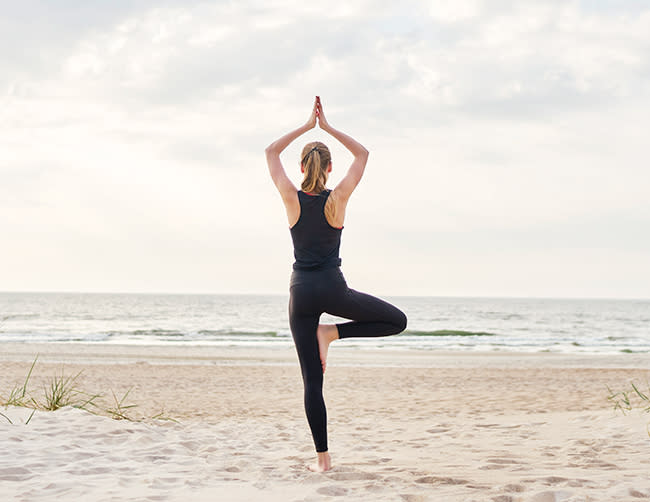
508, 144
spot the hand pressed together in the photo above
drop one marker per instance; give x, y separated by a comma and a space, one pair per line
311, 123
317, 116
322, 121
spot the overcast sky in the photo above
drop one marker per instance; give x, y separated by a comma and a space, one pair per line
508, 140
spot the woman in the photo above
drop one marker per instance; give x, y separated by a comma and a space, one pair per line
316, 217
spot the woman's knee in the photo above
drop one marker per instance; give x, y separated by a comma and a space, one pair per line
313, 390
400, 321
312, 378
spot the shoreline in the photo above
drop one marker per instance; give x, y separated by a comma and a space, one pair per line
99, 353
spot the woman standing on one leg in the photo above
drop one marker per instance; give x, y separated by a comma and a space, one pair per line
317, 285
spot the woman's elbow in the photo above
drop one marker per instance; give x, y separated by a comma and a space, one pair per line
271, 150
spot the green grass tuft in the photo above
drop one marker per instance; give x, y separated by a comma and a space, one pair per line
163, 416
119, 411
627, 400
63, 391
18, 395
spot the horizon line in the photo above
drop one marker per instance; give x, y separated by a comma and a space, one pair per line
185, 293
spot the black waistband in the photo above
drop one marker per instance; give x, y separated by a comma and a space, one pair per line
322, 274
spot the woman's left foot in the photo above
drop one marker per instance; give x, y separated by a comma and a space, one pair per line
324, 463
326, 334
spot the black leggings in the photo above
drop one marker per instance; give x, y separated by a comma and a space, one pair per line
311, 294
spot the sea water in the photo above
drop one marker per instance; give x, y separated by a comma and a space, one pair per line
435, 323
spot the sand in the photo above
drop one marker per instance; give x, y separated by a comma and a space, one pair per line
403, 426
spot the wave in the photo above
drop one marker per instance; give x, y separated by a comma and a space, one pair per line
448, 332
228, 332
204, 333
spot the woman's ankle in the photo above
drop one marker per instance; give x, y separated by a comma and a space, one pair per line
323, 463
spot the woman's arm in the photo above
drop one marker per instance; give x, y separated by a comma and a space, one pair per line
282, 182
350, 181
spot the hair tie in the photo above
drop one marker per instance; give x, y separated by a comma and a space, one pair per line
309, 153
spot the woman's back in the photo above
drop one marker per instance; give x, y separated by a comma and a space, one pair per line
316, 243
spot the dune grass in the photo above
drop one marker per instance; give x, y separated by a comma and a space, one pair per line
627, 400
62, 390
630, 399
118, 412
18, 395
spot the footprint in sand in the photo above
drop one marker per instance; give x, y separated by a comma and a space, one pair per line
499, 463
579, 483
550, 496
441, 480
353, 476
190, 445
378, 461
505, 498
514, 488
553, 480
14, 474
502, 461
437, 430
409, 497
375, 487
293, 458
333, 491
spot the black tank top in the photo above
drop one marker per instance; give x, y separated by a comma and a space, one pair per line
316, 243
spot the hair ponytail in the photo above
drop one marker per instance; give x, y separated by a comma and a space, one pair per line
316, 159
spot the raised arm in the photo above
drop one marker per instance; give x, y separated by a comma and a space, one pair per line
276, 169
282, 182
350, 181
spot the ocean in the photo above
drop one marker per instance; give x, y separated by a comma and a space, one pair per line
435, 323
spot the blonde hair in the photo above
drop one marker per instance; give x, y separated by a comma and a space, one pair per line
316, 159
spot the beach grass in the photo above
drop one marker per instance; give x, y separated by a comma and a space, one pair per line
118, 412
163, 416
628, 399
632, 398
62, 390
18, 395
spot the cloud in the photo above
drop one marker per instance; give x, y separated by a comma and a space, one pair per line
145, 122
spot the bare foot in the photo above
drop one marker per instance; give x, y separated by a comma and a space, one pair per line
326, 334
324, 463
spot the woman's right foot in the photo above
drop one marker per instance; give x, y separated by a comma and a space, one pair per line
326, 334
324, 463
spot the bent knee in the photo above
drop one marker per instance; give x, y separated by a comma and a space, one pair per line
400, 321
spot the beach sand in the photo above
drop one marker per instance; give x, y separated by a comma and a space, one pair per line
403, 426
